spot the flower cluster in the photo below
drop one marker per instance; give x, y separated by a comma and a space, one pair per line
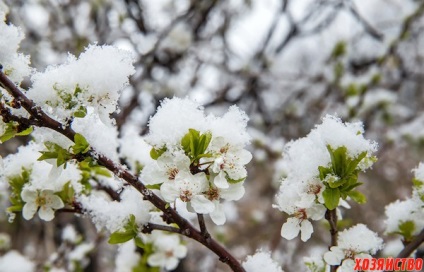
322, 171
199, 160
355, 242
407, 217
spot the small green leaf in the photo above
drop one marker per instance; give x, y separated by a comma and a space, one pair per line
153, 186
331, 198
120, 237
67, 193
81, 112
406, 229
81, 145
156, 153
12, 131
130, 231
357, 196
25, 132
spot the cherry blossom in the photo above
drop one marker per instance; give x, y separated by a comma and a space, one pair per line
45, 201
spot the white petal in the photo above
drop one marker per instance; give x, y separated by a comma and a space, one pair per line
306, 230
46, 213
316, 212
347, 266
29, 195
220, 181
245, 156
156, 259
334, 256
55, 202
290, 229
180, 251
201, 204
29, 209
234, 192
218, 215
169, 192
171, 263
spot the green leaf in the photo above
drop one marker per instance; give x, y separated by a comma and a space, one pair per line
25, 132
16, 184
406, 229
338, 160
156, 153
120, 237
357, 196
81, 112
81, 145
153, 186
130, 231
331, 198
12, 131
67, 193
323, 172
339, 50
352, 164
55, 151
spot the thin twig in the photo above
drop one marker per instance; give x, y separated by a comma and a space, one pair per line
203, 228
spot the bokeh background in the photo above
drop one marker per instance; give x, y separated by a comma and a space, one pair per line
286, 63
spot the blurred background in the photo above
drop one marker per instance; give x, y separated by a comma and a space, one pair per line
286, 63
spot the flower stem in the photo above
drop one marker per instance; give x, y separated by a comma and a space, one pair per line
331, 216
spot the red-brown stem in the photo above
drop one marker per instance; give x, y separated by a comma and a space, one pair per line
41, 119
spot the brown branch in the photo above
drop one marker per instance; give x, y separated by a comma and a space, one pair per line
331, 216
149, 227
42, 119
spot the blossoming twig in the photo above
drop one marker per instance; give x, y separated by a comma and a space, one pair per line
43, 120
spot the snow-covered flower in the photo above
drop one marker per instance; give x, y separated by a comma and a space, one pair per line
261, 261
355, 242
189, 188
167, 251
45, 201
165, 168
229, 162
214, 194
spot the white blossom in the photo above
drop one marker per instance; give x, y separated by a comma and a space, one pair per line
167, 251
45, 201
355, 242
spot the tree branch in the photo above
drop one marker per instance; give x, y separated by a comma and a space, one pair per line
43, 120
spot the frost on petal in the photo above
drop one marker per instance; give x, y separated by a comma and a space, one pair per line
306, 230
290, 229
261, 261
46, 213
29, 209
201, 204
